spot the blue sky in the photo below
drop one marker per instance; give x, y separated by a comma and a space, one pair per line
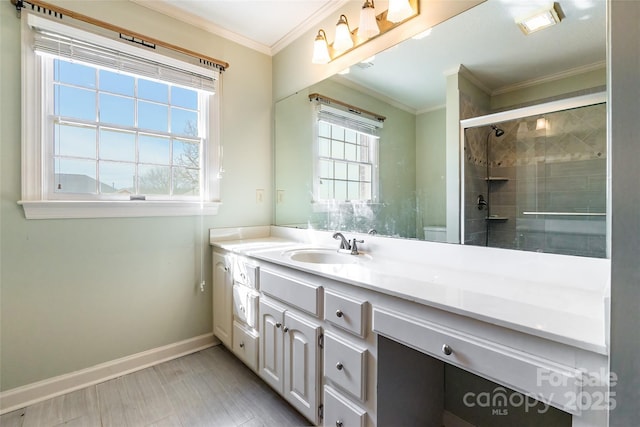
160, 108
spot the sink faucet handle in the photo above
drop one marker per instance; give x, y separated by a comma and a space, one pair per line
354, 246
344, 243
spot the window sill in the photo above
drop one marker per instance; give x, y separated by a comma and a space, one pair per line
61, 209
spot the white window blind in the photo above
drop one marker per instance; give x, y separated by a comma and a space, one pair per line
346, 157
348, 119
68, 42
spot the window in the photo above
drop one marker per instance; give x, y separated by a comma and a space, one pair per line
346, 160
122, 131
346, 157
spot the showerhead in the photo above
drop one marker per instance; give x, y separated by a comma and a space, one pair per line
499, 132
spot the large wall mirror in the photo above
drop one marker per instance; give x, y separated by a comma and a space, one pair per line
402, 176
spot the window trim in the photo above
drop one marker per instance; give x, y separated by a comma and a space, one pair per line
35, 200
322, 205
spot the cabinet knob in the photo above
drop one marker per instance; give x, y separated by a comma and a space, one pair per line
226, 268
339, 423
339, 366
446, 349
285, 329
241, 345
339, 313
278, 325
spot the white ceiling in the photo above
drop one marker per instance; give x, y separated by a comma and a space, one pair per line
485, 40
263, 25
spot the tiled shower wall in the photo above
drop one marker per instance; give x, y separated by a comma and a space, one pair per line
475, 172
553, 164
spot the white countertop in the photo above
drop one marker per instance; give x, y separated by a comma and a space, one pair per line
548, 305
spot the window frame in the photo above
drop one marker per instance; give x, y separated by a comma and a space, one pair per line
325, 205
40, 202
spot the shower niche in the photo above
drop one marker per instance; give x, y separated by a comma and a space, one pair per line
535, 178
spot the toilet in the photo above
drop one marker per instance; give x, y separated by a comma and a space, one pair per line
435, 233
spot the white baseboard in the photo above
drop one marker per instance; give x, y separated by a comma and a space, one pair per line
29, 394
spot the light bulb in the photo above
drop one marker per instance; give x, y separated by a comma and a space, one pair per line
343, 39
368, 24
399, 10
320, 49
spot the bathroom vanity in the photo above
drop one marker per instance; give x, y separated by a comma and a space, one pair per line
370, 339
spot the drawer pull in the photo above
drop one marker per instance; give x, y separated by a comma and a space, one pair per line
339, 366
241, 345
278, 325
339, 423
339, 313
446, 349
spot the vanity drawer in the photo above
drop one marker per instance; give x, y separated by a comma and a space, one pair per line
345, 365
246, 273
345, 312
554, 383
340, 412
245, 345
303, 295
245, 305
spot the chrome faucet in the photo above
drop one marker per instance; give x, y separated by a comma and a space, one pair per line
354, 246
344, 243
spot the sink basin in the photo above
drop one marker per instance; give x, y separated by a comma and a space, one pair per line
324, 256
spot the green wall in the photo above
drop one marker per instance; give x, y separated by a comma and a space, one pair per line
294, 161
430, 169
76, 293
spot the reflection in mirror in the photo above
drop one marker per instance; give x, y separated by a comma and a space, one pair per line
420, 87
537, 181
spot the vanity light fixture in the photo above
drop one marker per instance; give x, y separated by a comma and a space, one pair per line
321, 49
541, 19
399, 10
343, 40
368, 22
371, 26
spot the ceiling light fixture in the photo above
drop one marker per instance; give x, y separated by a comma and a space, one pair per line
343, 39
368, 23
321, 49
399, 10
541, 19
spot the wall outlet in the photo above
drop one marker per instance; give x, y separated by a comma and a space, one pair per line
259, 195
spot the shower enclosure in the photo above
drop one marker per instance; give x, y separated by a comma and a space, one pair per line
535, 178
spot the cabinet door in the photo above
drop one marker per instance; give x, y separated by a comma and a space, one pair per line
222, 297
270, 358
301, 365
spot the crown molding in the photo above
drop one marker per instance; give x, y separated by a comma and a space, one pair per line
312, 21
373, 93
199, 22
550, 78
